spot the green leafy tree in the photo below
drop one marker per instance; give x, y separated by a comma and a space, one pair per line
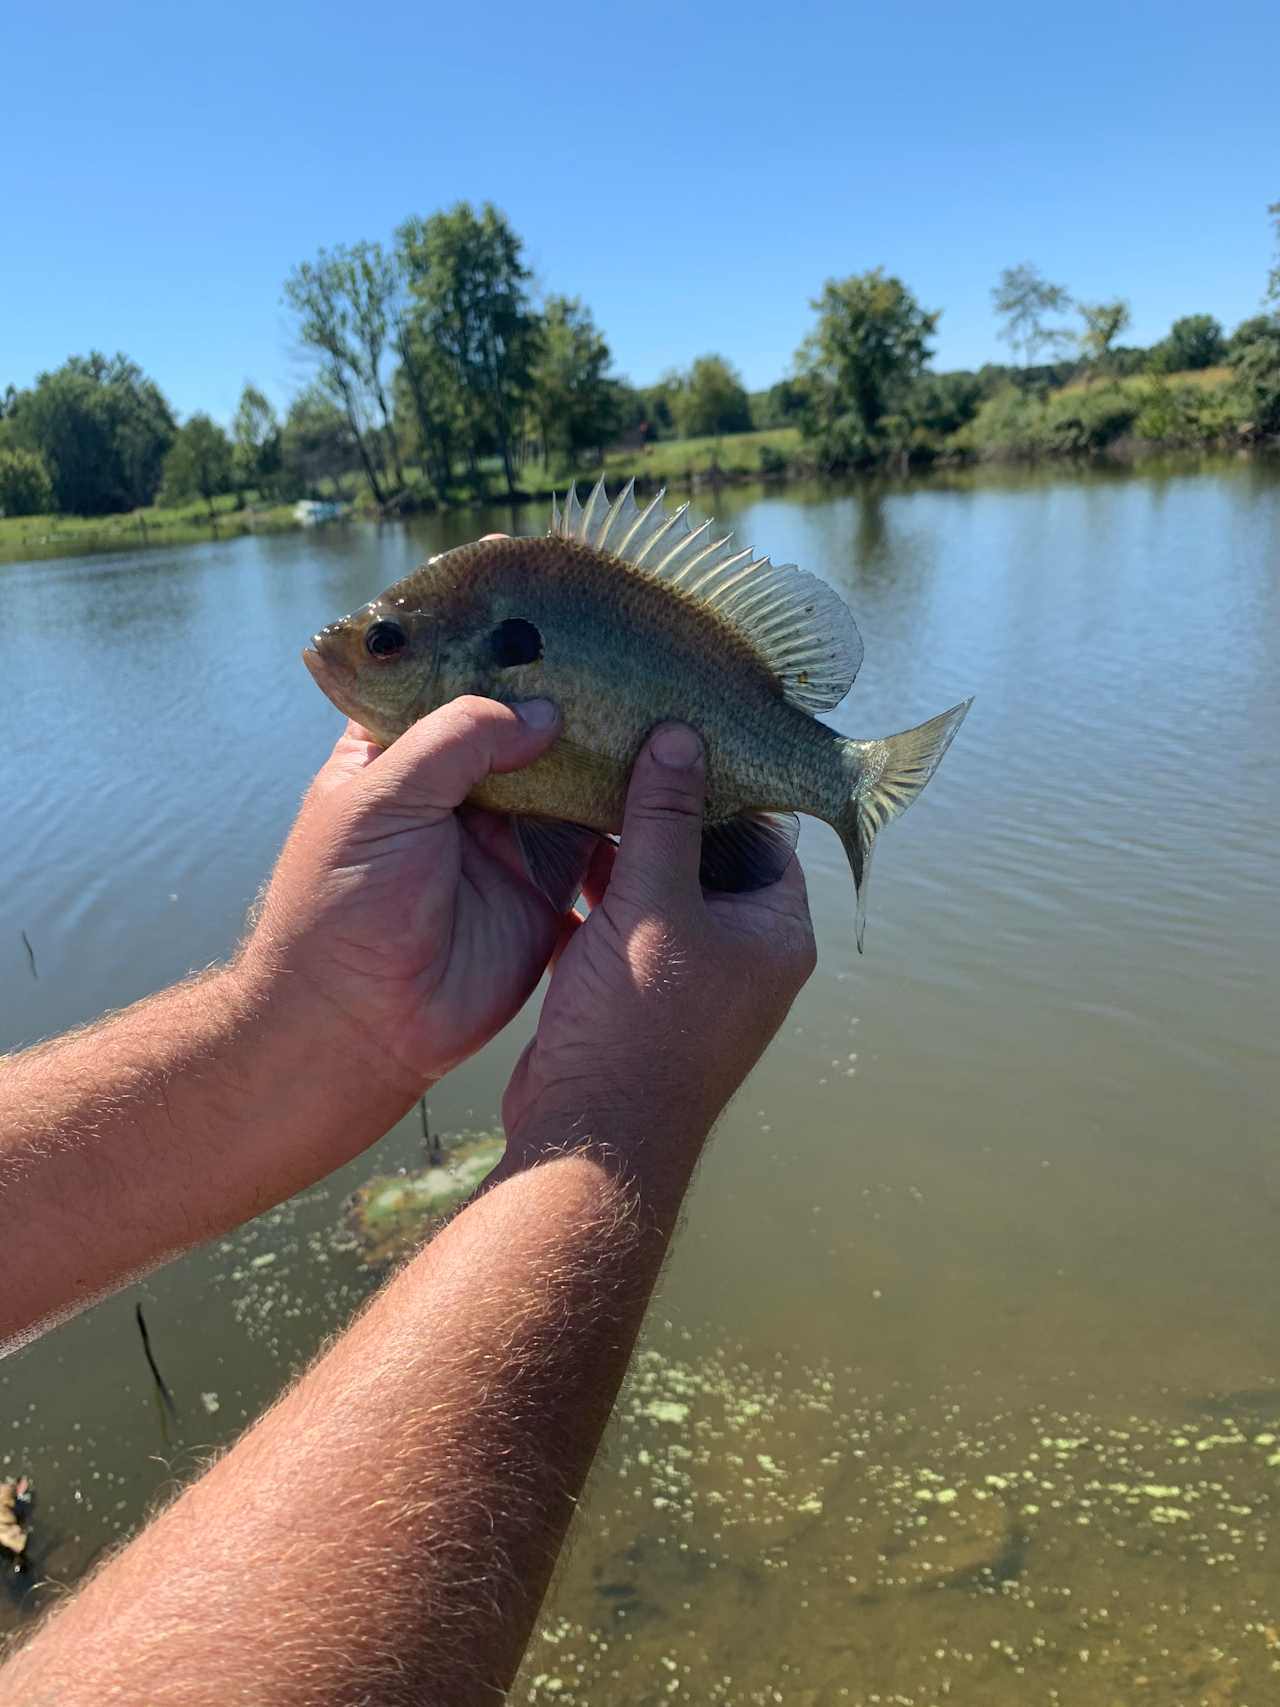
1195, 341
345, 303
660, 405
102, 429
256, 434
470, 307
712, 399
782, 405
1255, 359
25, 487
199, 463
1024, 299
430, 414
860, 362
1103, 324
574, 403
1273, 277
316, 442
942, 403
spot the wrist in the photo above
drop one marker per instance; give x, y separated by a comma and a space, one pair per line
650, 1150
321, 1066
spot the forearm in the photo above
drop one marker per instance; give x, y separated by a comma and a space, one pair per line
164, 1125
385, 1535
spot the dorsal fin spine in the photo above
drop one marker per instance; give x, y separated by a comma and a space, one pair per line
796, 624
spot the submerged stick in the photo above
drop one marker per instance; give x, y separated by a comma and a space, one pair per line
31, 954
435, 1155
164, 1392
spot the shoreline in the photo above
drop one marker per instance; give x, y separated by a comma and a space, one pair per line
50, 539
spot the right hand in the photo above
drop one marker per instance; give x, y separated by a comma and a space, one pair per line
664, 998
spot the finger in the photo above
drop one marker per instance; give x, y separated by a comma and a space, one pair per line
494, 833
353, 751
570, 923
599, 872
433, 767
662, 824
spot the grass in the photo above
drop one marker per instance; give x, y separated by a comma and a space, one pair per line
1203, 379
182, 524
675, 461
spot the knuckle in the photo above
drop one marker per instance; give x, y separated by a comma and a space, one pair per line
663, 801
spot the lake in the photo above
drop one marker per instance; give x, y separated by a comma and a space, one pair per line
963, 1382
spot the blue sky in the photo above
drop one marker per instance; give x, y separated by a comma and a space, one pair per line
694, 173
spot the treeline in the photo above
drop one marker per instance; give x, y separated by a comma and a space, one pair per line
436, 364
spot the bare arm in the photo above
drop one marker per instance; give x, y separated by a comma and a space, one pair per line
385, 1535
181, 1117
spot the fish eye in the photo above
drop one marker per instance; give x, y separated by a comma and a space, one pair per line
384, 639
515, 642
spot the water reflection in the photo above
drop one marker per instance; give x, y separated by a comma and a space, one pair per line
1013, 1173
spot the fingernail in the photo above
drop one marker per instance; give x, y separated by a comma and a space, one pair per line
537, 713
677, 747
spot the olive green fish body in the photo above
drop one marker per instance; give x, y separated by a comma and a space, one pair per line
620, 653
625, 618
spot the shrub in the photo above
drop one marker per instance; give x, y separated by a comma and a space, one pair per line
25, 487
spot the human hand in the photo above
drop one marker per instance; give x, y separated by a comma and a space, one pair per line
664, 998
404, 917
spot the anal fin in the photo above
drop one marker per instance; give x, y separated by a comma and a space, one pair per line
748, 852
556, 854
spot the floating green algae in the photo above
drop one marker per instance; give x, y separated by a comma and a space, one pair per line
790, 1539
390, 1214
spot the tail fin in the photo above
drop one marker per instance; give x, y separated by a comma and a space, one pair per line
885, 777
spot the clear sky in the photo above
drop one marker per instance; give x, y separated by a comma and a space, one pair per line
694, 173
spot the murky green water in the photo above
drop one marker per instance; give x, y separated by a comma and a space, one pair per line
964, 1382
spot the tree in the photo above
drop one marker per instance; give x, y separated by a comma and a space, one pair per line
102, 429
712, 399
860, 361
471, 308
660, 404
1195, 341
574, 402
1255, 357
942, 403
1103, 324
1023, 298
344, 300
1273, 277
25, 487
781, 405
199, 463
316, 442
256, 432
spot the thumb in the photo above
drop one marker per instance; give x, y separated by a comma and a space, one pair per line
661, 843
434, 766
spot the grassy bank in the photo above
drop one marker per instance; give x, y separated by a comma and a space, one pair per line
23, 537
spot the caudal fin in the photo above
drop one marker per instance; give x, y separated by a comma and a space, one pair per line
885, 777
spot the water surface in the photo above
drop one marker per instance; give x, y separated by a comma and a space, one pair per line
984, 1253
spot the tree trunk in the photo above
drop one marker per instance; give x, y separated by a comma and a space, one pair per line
371, 473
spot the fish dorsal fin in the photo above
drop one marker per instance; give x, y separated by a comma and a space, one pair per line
799, 626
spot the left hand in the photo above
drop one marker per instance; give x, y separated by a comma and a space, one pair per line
403, 915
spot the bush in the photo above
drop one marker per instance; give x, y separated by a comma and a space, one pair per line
25, 487
1013, 424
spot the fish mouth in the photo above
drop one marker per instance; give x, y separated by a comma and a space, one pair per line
336, 680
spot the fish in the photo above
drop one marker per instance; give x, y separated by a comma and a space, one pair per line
626, 618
